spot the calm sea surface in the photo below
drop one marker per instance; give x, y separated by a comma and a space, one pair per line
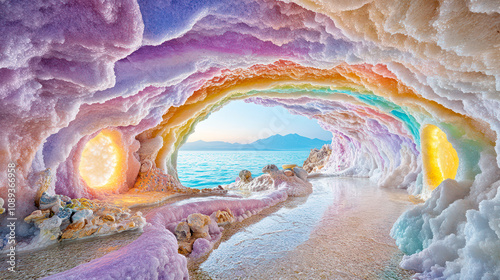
207, 169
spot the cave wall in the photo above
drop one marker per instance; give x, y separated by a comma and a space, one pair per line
375, 73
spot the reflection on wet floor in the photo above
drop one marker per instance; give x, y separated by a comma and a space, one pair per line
341, 231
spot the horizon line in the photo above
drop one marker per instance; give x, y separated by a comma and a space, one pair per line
258, 139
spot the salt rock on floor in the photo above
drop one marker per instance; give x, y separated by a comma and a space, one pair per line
274, 179
151, 178
270, 168
245, 176
198, 227
261, 183
294, 185
186, 247
78, 218
224, 217
317, 159
301, 173
198, 224
37, 216
182, 231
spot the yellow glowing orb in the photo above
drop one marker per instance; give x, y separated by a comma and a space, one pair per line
100, 164
439, 157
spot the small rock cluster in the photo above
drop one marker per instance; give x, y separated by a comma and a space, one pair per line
293, 176
186, 232
196, 226
317, 159
292, 170
59, 217
289, 170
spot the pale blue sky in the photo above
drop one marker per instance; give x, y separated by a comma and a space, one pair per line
246, 122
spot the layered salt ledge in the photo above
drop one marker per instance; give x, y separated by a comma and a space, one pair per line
388, 79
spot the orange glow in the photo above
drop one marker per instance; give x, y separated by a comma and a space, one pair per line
102, 161
439, 157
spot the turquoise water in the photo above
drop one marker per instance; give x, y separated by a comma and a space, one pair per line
207, 169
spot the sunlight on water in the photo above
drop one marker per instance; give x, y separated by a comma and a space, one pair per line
207, 169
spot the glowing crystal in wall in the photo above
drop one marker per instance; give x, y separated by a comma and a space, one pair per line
100, 162
439, 157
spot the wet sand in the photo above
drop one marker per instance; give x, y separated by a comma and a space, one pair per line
341, 231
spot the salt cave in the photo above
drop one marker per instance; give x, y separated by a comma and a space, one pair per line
91, 90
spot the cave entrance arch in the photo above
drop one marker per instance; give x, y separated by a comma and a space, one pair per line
246, 136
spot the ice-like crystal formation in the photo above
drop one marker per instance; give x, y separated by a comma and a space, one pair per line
375, 73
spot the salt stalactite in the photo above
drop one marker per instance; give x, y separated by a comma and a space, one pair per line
375, 73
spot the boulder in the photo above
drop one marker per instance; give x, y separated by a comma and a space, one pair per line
270, 168
288, 172
317, 159
245, 176
301, 173
50, 202
186, 247
182, 231
198, 223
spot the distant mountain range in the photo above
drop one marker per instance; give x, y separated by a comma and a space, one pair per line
290, 142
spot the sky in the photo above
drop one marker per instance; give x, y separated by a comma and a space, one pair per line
247, 122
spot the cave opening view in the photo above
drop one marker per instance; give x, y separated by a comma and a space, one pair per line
249, 139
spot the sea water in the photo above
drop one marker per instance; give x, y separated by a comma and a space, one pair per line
208, 169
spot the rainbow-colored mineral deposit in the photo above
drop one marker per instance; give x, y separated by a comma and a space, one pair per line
98, 96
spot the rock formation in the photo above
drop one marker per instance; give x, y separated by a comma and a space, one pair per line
317, 159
